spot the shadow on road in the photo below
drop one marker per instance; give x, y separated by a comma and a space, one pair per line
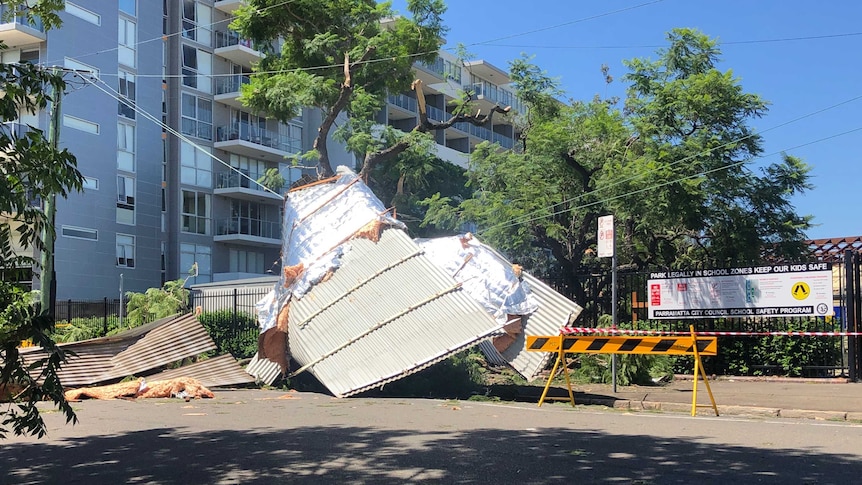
370, 455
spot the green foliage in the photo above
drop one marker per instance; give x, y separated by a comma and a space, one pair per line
273, 180
632, 369
30, 169
770, 355
79, 329
342, 56
156, 303
671, 165
234, 333
461, 375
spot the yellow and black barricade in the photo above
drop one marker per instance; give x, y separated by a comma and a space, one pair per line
592, 344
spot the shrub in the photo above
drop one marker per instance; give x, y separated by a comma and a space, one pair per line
235, 333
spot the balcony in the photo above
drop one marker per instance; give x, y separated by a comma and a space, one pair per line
402, 107
234, 48
233, 184
228, 6
248, 232
252, 141
227, 89
19, 31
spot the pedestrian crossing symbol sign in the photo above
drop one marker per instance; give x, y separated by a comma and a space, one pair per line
800, 290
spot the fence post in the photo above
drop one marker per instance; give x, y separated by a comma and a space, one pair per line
850, 312
105, 318
234, 324
68, 311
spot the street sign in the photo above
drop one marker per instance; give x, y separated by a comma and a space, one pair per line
606, 237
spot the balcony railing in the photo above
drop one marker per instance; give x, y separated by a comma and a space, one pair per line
230, 38
443, 68
249, 227
503, 140
11, 128
231, 84
403, 101
477, 131
436, 114
35, 23
260, 136
235, 180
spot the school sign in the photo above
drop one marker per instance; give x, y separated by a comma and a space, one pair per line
786, 290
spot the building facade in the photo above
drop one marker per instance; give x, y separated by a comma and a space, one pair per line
170, 156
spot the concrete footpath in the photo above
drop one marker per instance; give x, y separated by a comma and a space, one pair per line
826, 399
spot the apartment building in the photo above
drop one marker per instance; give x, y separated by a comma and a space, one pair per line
169, 154
444, 81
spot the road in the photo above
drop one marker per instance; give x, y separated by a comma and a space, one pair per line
255, 436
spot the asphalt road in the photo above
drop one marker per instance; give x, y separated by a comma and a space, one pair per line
254, 436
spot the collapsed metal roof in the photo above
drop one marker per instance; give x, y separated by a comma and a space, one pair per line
365, 306
139, 351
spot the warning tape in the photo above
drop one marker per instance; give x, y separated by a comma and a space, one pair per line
621, 331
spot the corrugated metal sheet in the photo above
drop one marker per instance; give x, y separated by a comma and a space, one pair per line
215, 372
263, 370
385, 313
554, 312
180, 338
133, 352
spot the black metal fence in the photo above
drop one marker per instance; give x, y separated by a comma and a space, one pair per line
234, 309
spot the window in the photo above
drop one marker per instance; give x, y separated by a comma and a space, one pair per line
197, 167
30, 56
197, 69
197, 116
191, 254
81, 124
125, 251
196, 212
80, 66
125, 147
83, 13
197, 18
127, 38
125, 199
91, 183
80, 233
246, 261
128, 6
127, 93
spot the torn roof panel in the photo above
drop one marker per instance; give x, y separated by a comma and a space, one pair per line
504, 291
219, 371
554, 312
385, 313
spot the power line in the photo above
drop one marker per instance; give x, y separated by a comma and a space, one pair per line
658, 46
517, 221
700, 154
564, 24
165, 37
120, 98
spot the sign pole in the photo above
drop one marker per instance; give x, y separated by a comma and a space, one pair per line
607, 242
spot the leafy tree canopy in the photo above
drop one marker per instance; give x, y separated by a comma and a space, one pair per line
672, 165
31, 169
342, 56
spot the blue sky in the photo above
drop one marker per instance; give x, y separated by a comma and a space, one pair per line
800, 56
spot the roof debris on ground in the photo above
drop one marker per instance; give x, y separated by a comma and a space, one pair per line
359, 304
145, 351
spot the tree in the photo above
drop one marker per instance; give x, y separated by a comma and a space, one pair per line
672, 166
344, 57
32, 170
157, 303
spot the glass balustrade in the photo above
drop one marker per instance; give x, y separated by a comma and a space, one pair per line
257, 135
230, 38
403, 101
243, 179
231, 84
35, 23
248, 226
